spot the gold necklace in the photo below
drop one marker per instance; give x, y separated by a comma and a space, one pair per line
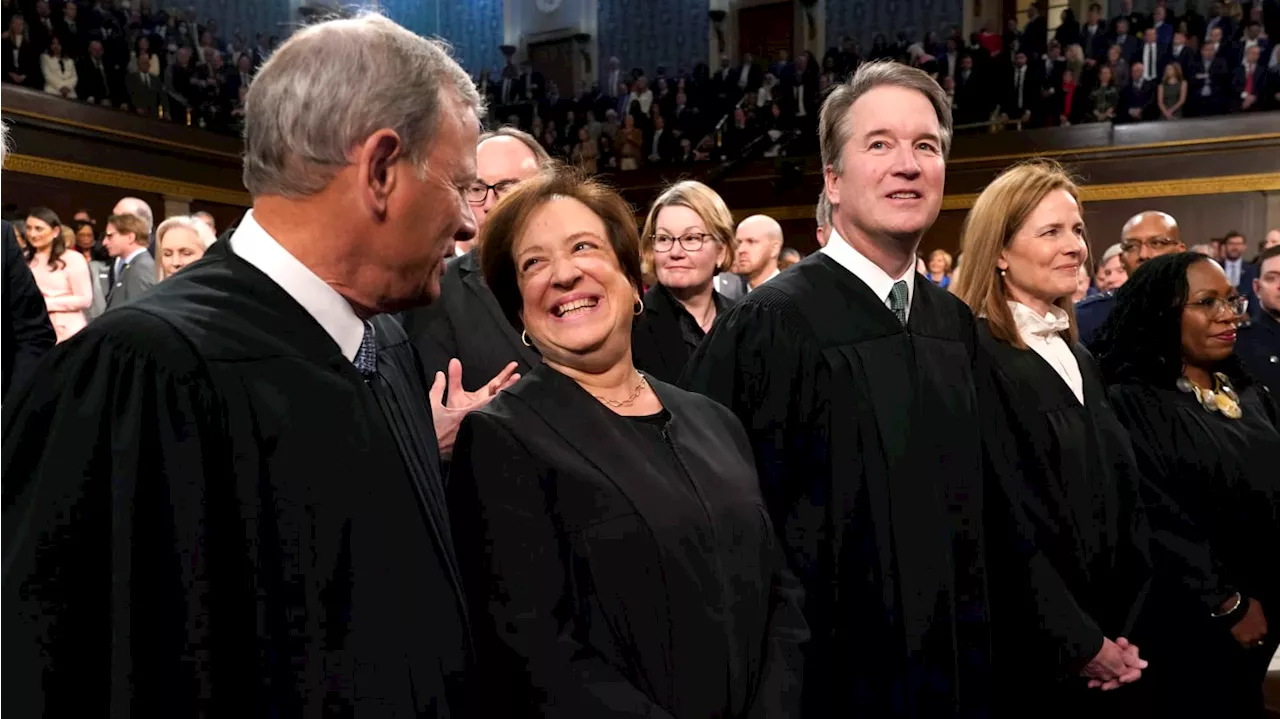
634, 394
1219, 399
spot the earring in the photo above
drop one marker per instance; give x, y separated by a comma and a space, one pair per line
638, 309
1002, 272
524, 337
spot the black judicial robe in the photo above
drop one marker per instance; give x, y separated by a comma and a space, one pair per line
1070, 476
207, 511
867, 442
1211, 489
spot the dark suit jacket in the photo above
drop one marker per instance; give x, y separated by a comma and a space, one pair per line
28, 63
657, 340
614, 573
1259, 348
93, 84
467, 323
1129, 48
1132, 98
136, 277
147, 96
27, 333
1091, 314
1259, 86
1218, 78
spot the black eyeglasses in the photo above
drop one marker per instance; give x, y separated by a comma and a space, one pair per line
1236, 305
691, 242
479, 192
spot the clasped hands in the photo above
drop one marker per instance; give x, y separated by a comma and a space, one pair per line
447, 416
1117, 663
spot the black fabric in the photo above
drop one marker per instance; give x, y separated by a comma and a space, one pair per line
866, 437
1070, 477
206, 512
1091, 315
27, 333
1258, 347
625, 570
467, 323
665, 335
1212, 496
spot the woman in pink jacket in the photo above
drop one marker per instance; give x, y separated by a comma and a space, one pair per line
61, 272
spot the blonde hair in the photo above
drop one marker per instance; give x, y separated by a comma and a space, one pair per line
710, 209
190, 222
946, 256
1001, 210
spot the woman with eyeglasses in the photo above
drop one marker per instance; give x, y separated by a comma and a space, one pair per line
688, 237
1205, 435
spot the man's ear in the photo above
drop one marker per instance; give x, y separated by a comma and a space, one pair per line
377, 160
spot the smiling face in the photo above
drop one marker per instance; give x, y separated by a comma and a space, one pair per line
39, 234
577, 303
180, 247
1042, 262
680, 268
892, 178
1208, 329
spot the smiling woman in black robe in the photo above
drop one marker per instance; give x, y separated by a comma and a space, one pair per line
1065, 587
1206, 441
615, 549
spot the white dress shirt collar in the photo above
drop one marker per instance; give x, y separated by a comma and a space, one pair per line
869, 272
132, 255
253, 245
1042, 334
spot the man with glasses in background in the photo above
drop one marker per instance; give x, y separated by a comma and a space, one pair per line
1146, 235
466, 324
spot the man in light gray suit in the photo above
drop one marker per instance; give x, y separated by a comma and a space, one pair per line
730, 285
126, 241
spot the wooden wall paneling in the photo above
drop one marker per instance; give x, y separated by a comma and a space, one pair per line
224, 216
65, 197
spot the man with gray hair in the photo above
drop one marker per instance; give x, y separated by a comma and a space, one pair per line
856, 383
1111, 273
225, 498
26, 334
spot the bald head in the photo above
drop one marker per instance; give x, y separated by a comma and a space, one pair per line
503, 160
1146, 235
136, 207
759, 243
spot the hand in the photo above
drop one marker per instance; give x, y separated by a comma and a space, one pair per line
1115, 664
448, 417
1252, 627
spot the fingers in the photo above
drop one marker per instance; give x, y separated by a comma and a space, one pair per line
436, 393
455, 379
503, 379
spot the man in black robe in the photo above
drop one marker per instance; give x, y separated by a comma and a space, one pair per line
856, 382
224, 499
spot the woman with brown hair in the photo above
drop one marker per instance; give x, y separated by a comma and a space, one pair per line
611, 535
688, 238
61, 272
1067, 560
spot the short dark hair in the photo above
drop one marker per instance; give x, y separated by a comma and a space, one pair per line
134, 225
1227, 237
505, 222
1273, 251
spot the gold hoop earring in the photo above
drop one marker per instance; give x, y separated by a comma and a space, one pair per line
638, 309
524, 337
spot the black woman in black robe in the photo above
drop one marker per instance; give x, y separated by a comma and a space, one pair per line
1206, 441
1067, 580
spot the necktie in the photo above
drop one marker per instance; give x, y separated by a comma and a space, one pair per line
1150, 73
366, 360
898, 300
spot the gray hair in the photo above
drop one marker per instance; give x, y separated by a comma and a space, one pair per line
1112, 251
328, 87
4, 141
834, 123
539, 152
139, 208
822, 213
189, 222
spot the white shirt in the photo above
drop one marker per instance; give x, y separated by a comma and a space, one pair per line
869, 272
1041, 334
776, 272
1232, 268
322, 302
1150, 58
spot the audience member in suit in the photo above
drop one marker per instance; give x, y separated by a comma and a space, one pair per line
660, 146
1051, 68
27, 333
1240, 272
971, 95
1023, 93
1134, 19
1258, 345
1094, 38
1145, 236
1181, 53
747, 77
1248, 82
1128, 44
1153, 55
610, 528
147, 95
1162, 25
1138, 100
1253, 37
126, 240
1210, 84
95, 78
250, 437
73, 33
1035, 34
466, 323
21, 55
688, 237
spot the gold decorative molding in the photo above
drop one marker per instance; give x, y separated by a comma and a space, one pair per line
149, 139
59, 169
1261, 182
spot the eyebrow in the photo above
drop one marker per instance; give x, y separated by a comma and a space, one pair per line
690, 228
884, 132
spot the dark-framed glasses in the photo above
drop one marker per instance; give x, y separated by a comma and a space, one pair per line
1236, 305
691, 242
1157, 245
478, 192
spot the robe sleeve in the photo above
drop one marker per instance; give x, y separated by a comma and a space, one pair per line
26, 315
1067, 637
515, 564
107, 451
1172, 497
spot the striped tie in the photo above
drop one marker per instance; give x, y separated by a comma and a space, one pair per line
898, 300
366, 360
